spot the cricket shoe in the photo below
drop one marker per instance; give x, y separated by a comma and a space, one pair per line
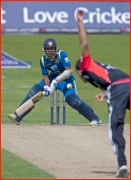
95, 122
14, 118
121, 171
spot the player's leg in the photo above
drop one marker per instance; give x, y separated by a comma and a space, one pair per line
34, 90
75, 102
117, 100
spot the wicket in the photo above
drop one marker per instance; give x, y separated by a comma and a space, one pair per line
57, 108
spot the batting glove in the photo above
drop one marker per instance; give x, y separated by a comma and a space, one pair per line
47, 90
54, 85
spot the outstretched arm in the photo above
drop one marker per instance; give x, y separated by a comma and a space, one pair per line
82, 33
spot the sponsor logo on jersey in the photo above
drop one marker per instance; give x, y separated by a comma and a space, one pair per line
54, 68
66, 60
56, 61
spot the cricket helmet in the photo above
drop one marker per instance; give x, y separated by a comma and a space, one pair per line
49, 43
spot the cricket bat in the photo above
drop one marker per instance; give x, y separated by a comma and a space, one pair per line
30, 103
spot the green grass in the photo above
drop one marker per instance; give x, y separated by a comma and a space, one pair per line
19, 168
112, 49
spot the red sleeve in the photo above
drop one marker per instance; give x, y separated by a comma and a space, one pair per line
87, 64
84, 62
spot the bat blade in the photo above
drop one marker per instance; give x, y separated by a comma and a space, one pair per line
30, 103
24, 107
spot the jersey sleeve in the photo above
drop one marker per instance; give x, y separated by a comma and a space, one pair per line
87, 64
43, 69
64, 59
84, 62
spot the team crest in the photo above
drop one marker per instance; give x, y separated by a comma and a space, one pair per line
50, 43
56, 61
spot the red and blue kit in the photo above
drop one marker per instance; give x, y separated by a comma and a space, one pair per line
117, 84
101, 75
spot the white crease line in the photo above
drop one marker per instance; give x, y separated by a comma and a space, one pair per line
15, 88
5, 88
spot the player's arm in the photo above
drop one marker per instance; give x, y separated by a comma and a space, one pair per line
46, 85
67, 66
46, 80
45, 77
82, 34
66, 74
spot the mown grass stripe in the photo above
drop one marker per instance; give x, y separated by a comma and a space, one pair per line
14, 167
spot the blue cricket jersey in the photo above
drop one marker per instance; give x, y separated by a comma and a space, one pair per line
55, 66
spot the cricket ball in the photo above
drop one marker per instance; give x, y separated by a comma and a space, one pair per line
69, 86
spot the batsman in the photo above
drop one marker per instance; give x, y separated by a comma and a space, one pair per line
57, 74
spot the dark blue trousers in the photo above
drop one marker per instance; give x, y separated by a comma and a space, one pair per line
118, 101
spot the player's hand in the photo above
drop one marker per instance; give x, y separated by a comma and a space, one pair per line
79, 15
54, 85
47, 90
100, 97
